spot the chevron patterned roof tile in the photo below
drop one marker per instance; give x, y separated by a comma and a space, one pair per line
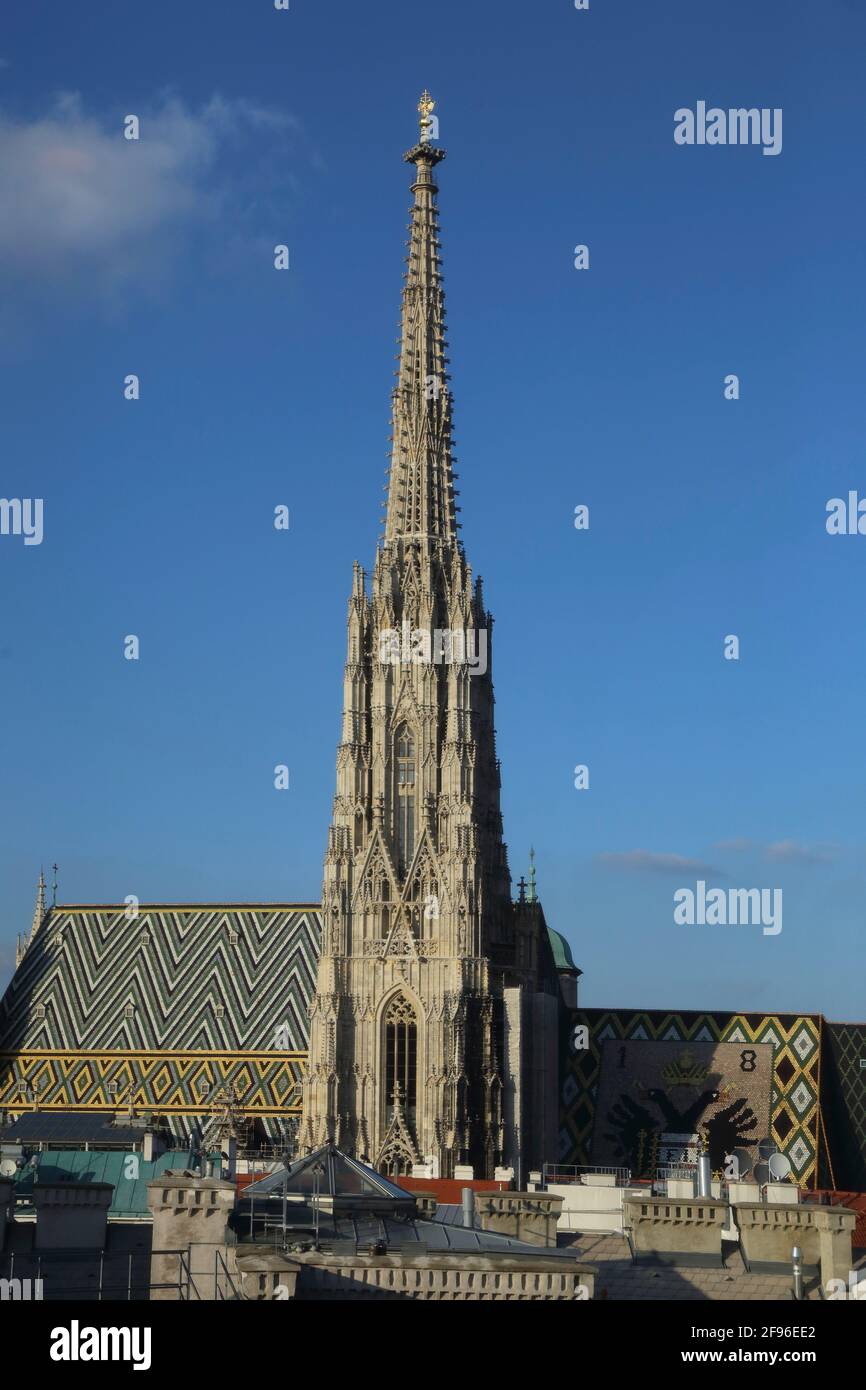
175, 981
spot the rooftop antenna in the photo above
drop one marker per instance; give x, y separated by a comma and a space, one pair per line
54, 887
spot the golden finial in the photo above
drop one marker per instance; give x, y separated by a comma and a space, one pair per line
425, 107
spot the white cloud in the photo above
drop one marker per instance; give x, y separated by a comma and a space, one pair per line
646, 861
782, 851
81, 205
789, 852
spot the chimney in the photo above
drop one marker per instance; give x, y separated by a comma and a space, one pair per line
72, 1215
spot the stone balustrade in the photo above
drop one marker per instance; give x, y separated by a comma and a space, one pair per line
531, 1217
768, 1235
676, 1230
452, 1278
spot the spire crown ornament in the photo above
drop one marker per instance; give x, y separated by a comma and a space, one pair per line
425, 110
424, 154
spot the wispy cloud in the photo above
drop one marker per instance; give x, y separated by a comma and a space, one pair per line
83, 205
781, 851
646, 861
789, 852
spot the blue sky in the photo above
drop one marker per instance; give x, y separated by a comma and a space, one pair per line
603, 387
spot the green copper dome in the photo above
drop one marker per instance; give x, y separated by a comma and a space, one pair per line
562, 957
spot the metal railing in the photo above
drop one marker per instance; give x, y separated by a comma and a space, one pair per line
222, 1273
82, 1274
184, 1284
666, 1171
267, 1153
91, 1276
575, 1173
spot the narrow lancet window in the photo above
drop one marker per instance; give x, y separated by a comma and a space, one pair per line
401, 1058
405, 798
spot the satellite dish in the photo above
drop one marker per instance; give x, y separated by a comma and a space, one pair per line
744, 1162
779, 1166
761, 1173
8, 1168
767, 1147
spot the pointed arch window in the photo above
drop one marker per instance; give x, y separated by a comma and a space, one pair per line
401, 1058
405, 798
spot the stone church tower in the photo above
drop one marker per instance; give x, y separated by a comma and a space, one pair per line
434, 1025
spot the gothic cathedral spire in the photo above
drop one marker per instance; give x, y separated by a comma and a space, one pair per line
421, 1025
421, 484
22, 945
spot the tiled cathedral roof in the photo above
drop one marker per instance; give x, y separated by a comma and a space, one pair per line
176, 977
